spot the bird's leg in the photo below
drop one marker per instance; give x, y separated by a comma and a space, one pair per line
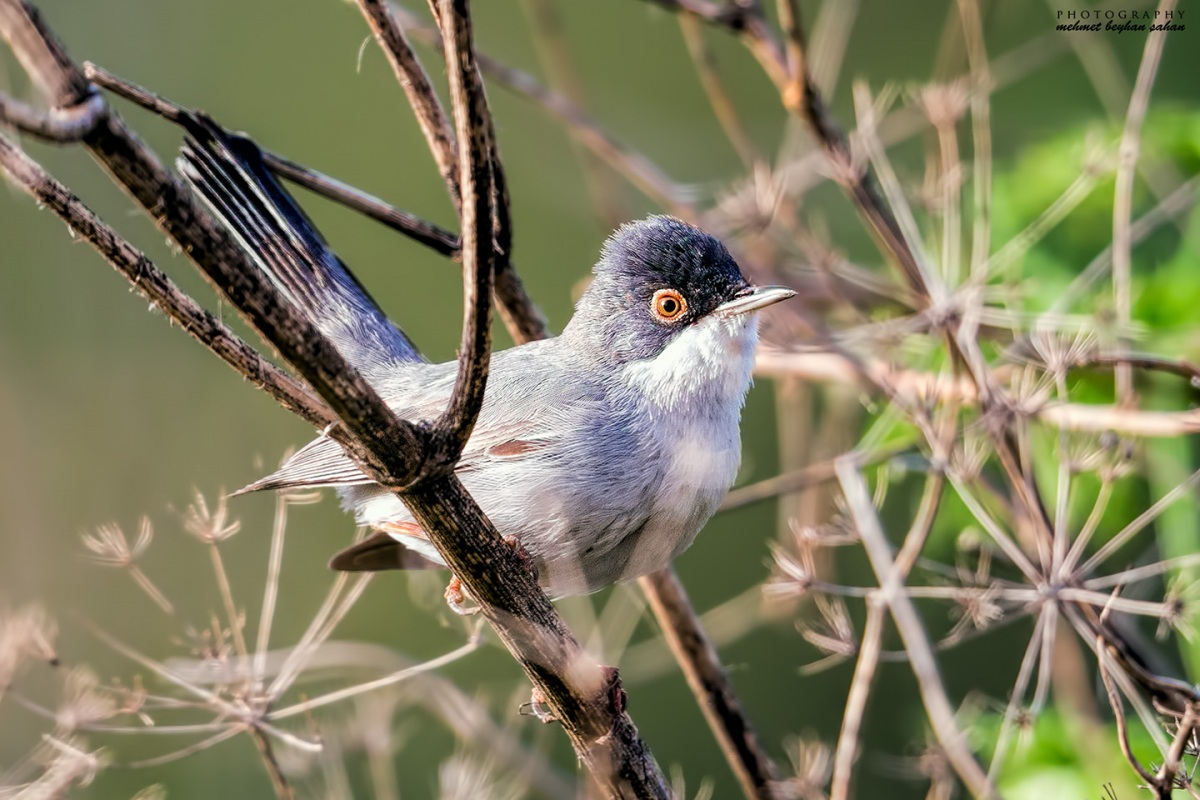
456, 598
537, 707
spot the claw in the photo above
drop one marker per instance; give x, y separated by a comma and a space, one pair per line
456, 598
537, 707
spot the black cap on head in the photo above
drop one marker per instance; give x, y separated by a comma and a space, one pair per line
641, 259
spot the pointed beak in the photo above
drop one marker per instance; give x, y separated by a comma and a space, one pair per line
753, 298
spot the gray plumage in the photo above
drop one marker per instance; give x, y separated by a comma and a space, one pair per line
603, 450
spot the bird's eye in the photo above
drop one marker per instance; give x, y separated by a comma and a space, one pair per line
668, 304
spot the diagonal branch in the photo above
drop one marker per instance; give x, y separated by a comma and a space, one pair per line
156, 287
392, 452
757, 773
438, 239
634, 166
522, 318
912, 632
1127, 161
413, 78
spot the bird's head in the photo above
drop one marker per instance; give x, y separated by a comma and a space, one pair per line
671, 309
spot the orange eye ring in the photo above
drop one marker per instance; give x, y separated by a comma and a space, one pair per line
668, 305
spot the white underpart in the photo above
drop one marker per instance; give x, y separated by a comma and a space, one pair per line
698, 384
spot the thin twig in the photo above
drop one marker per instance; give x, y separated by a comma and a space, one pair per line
1127, 160
705, 62
562, 74
981, 127
413, 78
1172, 207
1118, 709
59, 125
279, 781
911, 386
1165, 779
908, 622
757, 773
856, 702
745, 20
438, 239
522, 318
472, 123
640, 171
872, 638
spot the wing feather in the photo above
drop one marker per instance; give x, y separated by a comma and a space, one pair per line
506, 431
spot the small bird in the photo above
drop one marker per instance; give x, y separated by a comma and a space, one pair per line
601, 452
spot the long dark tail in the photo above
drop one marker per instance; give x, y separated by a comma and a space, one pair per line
227, 171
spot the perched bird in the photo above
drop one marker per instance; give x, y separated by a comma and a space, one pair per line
602, 451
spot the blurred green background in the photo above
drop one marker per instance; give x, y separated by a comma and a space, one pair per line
108, 413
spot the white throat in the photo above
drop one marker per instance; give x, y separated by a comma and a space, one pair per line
709, 362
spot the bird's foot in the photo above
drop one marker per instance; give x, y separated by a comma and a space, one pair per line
618, 700
523, 555
538, 708
456, 598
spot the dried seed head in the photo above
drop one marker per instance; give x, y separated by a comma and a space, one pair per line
131, 699
1119, 463
969, 456
752, 203
795, 574
1085, 453
933, 764
943, 104
838, 531
976, 607
109, 547
679, 791
1180, 601
834, 635
66, 762
27, 632
812, 767
210, 527
213, 644
846, 168
84, 701
464, 778
1030, 389
1054, 350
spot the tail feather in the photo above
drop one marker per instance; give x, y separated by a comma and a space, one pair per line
228, 172
321, 462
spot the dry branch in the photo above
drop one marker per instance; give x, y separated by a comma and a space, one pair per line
436, 238
391, 451
912, 631
911, 386
156, 287
758, 775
